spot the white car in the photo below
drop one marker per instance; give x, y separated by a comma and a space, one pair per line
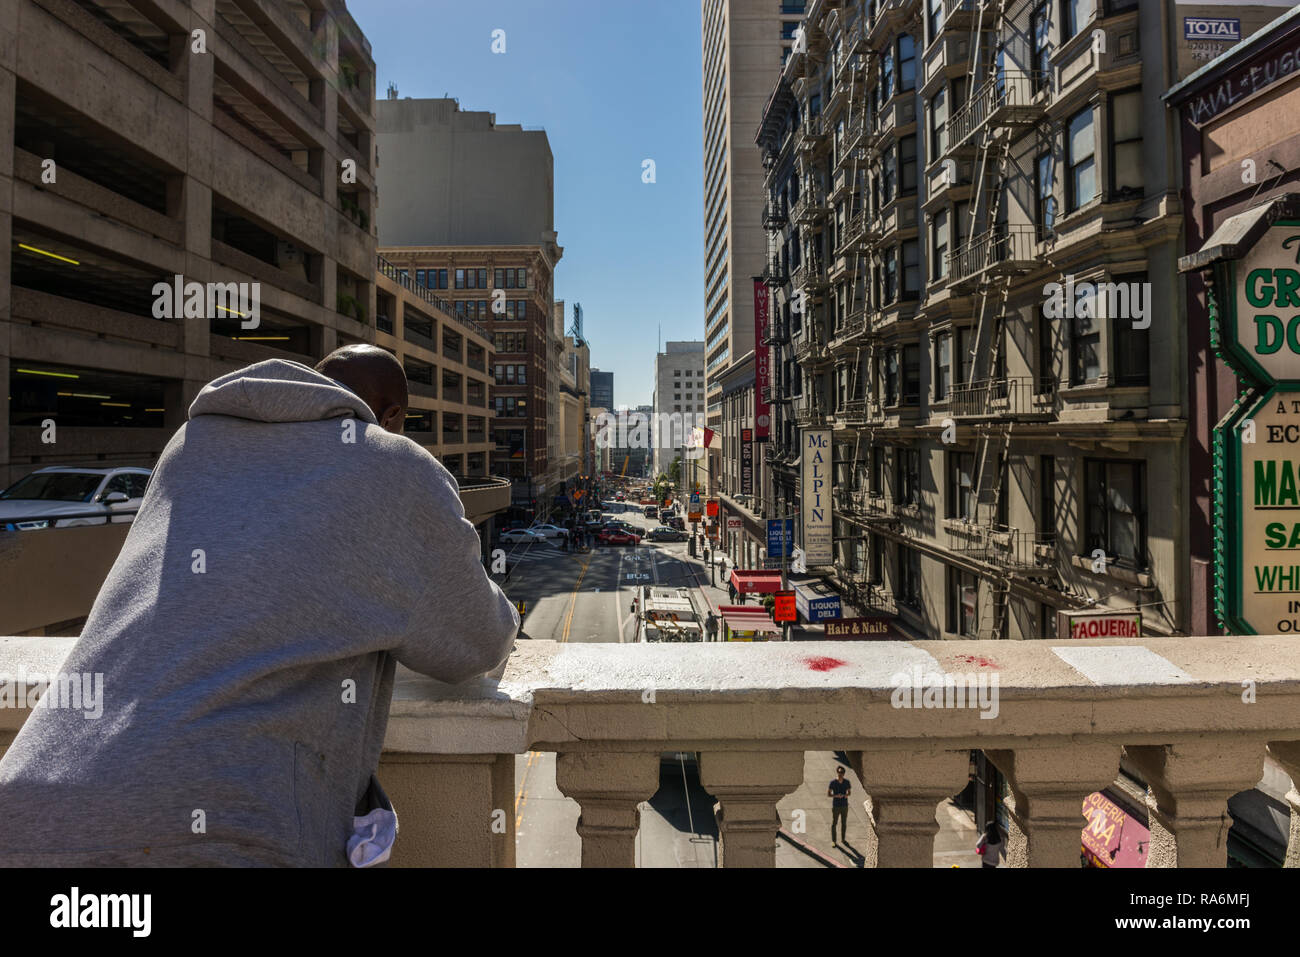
92, 495
550, 531
524, 536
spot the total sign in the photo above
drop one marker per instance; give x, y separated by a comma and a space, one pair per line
1261, 321
815, 493
1258, 530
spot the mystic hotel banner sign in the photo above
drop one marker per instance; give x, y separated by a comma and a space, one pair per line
1256, 307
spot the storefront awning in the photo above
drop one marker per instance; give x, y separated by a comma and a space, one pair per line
748, 618
756, 581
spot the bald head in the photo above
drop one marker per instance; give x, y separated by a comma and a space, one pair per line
376, 376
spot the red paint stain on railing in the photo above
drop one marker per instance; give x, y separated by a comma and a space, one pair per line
824, 664
979, 660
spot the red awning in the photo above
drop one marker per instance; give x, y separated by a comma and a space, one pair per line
748, 618
756, 582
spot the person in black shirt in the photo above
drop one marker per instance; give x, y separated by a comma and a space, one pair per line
839, 792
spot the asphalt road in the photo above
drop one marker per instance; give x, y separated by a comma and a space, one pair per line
584, 597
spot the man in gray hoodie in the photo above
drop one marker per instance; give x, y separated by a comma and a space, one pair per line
288, 551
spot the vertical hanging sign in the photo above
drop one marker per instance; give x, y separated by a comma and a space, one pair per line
762, 362
815, 492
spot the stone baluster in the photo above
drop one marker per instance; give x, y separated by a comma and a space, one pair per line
1287, 754
748, 785
904, 788
453, 810
608, 786
1187, 799
1048, 786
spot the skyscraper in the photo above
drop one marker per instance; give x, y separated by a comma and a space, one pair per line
679, 389
745, 44
602, 389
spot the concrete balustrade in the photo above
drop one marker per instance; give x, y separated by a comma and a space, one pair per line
1062, 716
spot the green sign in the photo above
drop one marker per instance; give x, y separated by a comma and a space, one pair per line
1258, 526
1255, 310
1261, 308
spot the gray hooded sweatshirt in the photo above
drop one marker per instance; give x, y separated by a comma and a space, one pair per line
247, 635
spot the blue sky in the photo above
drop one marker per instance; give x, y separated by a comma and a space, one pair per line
613, 82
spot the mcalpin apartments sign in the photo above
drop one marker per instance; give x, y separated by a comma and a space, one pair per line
1255, 302
815, 489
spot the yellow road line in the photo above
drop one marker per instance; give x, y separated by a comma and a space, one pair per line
573, 602
522, 797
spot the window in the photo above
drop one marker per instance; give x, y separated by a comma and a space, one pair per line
943, 367
1080, 160
419, 276
1116, 501
911, 374
1047, 498
521, 277
959, 501
877, 572
906, 62
907, 157
677, 373
892, 379
1085, 344
498, 279
936, 18
1040, 45
1046, 356
442, 279
1126, 142
460, 279
888, 177
907, 476
939, 123
482, 279
911, 268
1077, 14
887, 67
891, 275
877, 475
941, 239
963, 602
1003, 492
1132, 346
1044, 201
909, 577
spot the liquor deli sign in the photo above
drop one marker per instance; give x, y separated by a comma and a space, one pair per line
1260, 520
1255, 304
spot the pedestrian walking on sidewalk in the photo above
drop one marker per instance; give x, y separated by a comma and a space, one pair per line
839, 792
990, 845
731, 591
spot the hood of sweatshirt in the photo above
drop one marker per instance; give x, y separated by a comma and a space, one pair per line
278, 390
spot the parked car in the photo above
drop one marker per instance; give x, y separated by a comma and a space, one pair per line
616, 536
550, 531
651, 511
665, 533
523, 536
677, 522
38, 499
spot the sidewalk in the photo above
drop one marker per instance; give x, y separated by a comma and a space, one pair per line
806, 824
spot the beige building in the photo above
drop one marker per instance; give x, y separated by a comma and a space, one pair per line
448, 361
129, 160
946, 181
744, 46
468, 277
573, 386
